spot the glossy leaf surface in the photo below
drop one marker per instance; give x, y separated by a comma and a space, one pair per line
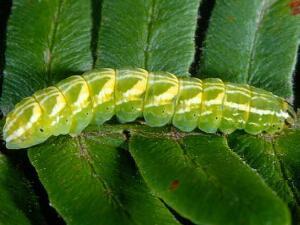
253, 42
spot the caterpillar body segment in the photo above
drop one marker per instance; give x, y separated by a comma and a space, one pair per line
101, 87
129, 94
188, 104
160, 97
212, 105
236, 105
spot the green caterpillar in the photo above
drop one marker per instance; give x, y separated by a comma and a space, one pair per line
160, 97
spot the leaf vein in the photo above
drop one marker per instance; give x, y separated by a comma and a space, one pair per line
149, 33
48, 58
285, 175
249, 76
85, 154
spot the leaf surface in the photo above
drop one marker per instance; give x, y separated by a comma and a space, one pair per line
151, 34
253, 42
91, 179
18, 203
260, 154
46, 41
204, 181
288, 151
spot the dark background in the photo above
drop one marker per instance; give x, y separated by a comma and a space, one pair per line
49, 213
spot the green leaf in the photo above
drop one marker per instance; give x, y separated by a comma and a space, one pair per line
276, 159
46, 41
204, 181
253, 42
18, 204
288, 150
90, 179
260, 154
151, 34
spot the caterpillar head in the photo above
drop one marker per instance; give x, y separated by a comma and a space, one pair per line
23, 125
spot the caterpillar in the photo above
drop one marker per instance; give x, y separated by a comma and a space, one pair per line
160, 97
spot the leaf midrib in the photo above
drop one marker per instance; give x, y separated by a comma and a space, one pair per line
85, 154
149, 33
248, 73
51, 43
285, 175
217, 184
